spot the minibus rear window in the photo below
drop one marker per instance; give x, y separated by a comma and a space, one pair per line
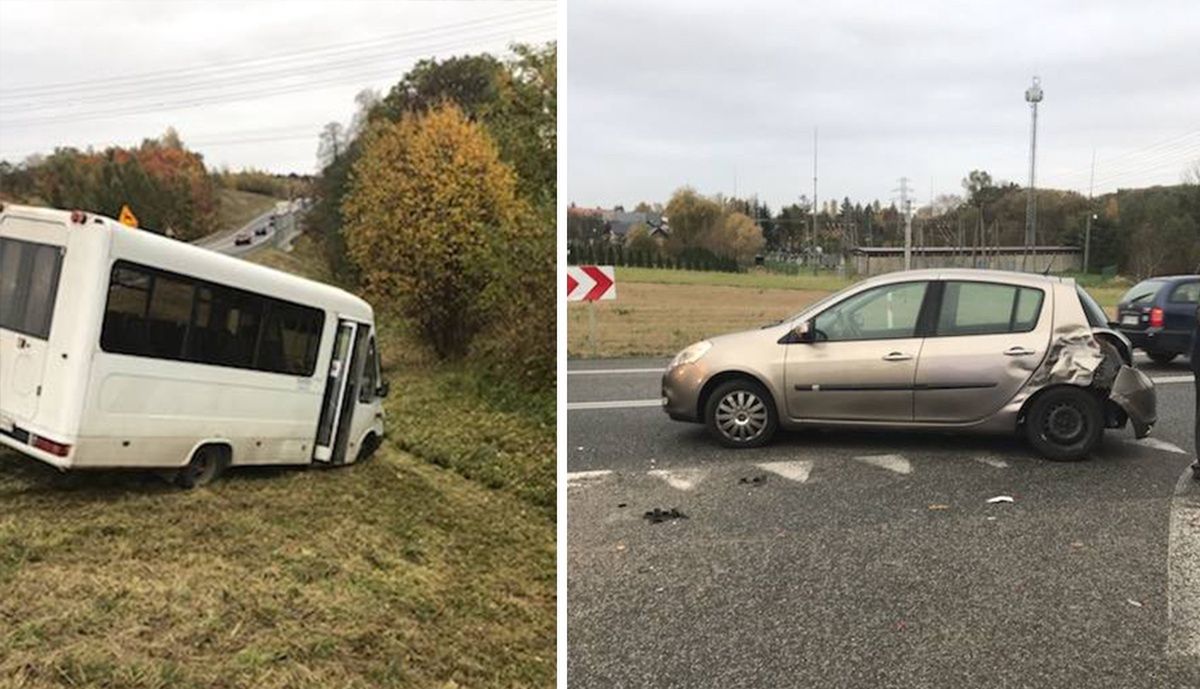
29, 274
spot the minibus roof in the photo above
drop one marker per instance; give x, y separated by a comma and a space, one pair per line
157, 251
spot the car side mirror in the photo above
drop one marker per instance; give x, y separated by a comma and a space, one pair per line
382, 390
804, 331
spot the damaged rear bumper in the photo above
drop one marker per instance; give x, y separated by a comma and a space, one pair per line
1133, 391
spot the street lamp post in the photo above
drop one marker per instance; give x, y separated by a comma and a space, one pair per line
1033, 96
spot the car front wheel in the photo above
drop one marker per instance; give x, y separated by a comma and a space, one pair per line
741, 413
1065, 424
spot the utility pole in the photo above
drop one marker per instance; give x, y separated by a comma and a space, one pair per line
1033, 96
1087, 233
906, 205
812, 246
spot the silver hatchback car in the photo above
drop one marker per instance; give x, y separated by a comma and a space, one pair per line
952, 349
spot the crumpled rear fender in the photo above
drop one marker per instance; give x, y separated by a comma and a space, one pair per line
1133, 391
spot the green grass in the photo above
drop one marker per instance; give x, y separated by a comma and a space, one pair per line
392, 573
431, 565
236, 208
450, 414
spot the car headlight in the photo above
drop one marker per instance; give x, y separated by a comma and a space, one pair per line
691, 354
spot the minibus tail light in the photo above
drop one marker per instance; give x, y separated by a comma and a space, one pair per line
78, 217
47, 445
1156, 317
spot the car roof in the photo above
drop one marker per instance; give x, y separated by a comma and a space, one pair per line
971, 274
1170, 278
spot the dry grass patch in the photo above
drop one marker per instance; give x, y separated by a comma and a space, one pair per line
650, 319
236, 208
391, 573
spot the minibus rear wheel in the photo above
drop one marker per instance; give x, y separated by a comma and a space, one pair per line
206, 465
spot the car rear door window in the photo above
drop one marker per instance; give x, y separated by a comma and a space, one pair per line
987, 308
1186, 293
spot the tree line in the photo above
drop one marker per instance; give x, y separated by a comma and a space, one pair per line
1137, 232
439, 198
166, 184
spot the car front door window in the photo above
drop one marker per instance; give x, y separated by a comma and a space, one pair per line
883, 313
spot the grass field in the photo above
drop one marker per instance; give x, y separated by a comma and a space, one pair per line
236, 208
431, 566
658, 312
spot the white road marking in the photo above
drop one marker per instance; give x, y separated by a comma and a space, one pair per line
613, 371
1167, 380
992, 461
680, 479
1183, 571
578, 478
614, 404
1156, 444
793, 471
896, 463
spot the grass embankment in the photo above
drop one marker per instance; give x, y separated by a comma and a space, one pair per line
657, 312
236, 208
393, 573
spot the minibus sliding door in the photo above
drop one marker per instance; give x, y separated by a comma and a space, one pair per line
341, 389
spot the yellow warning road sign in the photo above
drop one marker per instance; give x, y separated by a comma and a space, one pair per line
127, 217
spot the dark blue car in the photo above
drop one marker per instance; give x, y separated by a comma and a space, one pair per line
1157, 315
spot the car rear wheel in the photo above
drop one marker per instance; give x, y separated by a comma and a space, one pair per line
741, 413
1162, 357
1065, 424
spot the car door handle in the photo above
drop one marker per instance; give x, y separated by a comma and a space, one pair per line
897, 356
1018, 351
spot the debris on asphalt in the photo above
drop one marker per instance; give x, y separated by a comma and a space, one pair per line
1076, 544
1000, 498
657, 516
991, 519
620, 547
1134, 603
754, 480
939, 506
622, 504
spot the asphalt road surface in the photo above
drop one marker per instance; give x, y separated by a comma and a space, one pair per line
286, 226
852, 559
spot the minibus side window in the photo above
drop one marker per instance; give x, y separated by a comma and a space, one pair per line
163, 315
168, 317
370, 381
291, 338
125, 316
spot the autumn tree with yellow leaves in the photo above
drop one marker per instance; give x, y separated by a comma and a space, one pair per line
434, 223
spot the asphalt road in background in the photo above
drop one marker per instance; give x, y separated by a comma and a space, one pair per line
840, 558
285, 228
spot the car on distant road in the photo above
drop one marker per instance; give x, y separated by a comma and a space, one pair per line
951, 349
242, 239
1158, 315
260, 231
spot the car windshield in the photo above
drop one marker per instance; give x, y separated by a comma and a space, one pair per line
1142, 291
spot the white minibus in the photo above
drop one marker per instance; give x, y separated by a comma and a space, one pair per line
123, 348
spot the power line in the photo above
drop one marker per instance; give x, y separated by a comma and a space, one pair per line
254, 94
176, 73
133, 92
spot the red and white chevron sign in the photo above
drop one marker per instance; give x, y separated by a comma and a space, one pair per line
591, 283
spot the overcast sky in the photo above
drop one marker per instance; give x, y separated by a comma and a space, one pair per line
246, 83
666, 93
